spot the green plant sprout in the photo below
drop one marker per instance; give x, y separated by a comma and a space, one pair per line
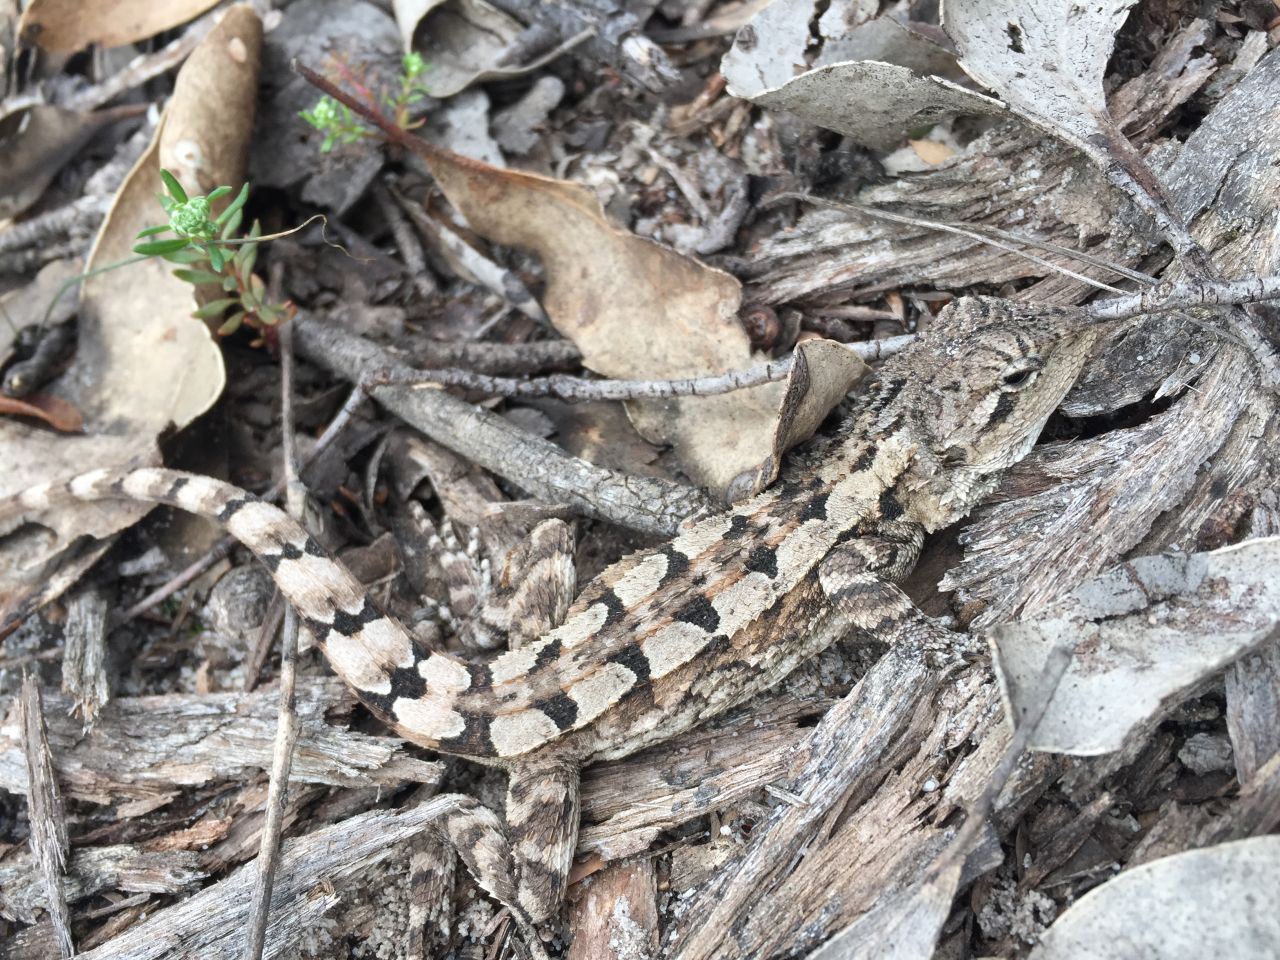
338, 123
200, 248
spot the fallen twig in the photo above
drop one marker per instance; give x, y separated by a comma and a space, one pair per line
581, 390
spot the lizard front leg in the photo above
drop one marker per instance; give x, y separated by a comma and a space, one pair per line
860, 578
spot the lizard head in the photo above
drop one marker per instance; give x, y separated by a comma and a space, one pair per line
982, 383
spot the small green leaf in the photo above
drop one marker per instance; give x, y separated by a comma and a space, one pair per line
216, 258
232, 225
231, 324
151, 231
198, 276
159, 248
247, 257
187, 255
215, 308
229, 283
235, 206
217, 193
173, 186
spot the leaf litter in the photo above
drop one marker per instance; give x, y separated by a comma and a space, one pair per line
1010, 112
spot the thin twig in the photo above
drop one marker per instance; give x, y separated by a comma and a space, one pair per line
288, 726
267, 631
579, 389
1185, 295
10, 663
539, 467
415, 262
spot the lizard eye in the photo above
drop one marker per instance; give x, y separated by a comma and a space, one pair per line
1021, 373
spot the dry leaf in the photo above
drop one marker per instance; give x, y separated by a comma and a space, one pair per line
823, 372
1216, 902
636, 309
1045, 58
463, 42
1142, 633
65, 26
142, 363
867, 100
36, 142
54, 411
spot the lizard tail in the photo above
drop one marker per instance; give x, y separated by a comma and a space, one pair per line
414, 691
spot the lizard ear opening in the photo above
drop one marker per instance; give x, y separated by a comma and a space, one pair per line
1021, 373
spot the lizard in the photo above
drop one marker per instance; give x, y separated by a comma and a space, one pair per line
669, 637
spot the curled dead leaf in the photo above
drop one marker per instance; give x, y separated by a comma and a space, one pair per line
56, 412
872, 82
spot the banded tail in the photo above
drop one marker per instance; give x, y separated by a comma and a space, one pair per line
411, 690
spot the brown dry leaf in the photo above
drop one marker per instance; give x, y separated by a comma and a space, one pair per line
823, 372
142, 363
463, 41
635, 308
36, 142
872, 81
65, 26
54, 411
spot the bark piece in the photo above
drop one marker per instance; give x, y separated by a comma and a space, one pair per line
145, 749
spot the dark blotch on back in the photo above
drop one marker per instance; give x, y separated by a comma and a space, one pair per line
349, 624
560, 708
547, 655
700, 613
473, 740
633, 658
407, 682
677, 564
614, 607
763, 559
816, 508
738, 527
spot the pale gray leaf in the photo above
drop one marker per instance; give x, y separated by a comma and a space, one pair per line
1217, 902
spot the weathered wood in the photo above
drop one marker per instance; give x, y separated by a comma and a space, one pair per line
145, 749
48, 824
93, 870
616, 914
314, 875
84, 663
